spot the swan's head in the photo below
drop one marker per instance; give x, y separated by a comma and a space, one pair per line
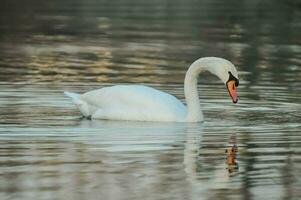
226, 71
232, 84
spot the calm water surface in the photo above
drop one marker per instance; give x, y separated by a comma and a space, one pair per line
47, 151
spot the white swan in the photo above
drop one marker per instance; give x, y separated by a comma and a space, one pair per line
142, 103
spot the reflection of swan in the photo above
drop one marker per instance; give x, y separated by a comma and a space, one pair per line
131, 136
200, 178
141, 103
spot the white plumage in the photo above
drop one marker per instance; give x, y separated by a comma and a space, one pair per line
129, 102
142, 103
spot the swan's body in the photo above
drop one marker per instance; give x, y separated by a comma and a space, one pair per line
131, 102
142, 103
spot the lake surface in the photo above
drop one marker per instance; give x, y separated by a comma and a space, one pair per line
48, 151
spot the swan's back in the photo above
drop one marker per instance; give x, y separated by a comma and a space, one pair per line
133, 102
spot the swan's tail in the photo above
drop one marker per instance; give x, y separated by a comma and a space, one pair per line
74, 96
81, 105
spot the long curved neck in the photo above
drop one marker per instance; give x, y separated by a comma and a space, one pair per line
191, 92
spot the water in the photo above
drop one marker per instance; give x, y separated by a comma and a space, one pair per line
49, 152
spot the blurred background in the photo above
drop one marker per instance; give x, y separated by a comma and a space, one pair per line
146, 41
49, 152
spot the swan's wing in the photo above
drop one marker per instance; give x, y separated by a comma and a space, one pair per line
135, 102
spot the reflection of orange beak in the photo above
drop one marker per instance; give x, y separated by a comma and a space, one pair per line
232, 90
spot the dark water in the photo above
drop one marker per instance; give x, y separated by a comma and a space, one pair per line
49, 152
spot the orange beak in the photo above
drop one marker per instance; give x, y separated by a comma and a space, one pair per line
232, 90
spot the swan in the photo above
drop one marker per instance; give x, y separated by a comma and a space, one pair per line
142, 103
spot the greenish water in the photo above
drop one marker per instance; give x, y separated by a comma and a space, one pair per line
49, 152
